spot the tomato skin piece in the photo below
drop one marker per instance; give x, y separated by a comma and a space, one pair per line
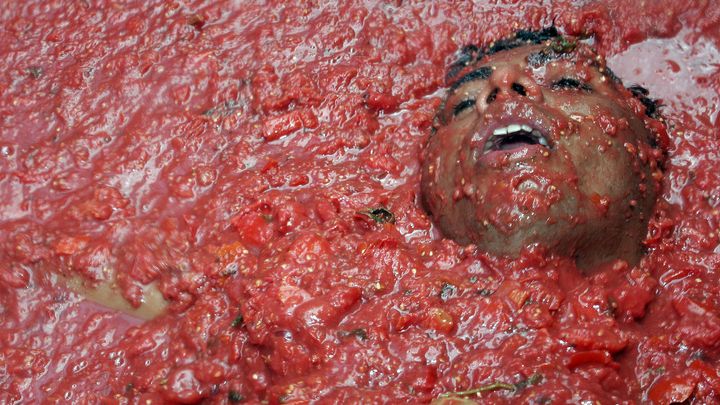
537, 316
277, 127
69, 245
328, 309
15, 277
421, 377
255, 229
591, 357
699, 324
387, 103
183, 387
595, 338
671, 389
439, 320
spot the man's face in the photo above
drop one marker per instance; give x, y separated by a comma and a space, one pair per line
536, 151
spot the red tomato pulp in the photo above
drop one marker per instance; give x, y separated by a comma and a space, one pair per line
237, 154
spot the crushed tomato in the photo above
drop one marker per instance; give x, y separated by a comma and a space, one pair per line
228, 153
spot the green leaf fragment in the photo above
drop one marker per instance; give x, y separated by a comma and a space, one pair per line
380, 215
35, 71
498, 385
532, 380
563, 45
359, 333
447, 291
238, 321
224, 109
485, 388
234, 396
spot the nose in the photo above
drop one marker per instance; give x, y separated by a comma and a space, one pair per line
511, 81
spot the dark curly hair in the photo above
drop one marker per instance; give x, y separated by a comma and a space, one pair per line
472, 54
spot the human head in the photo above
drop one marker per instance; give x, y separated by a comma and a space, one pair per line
538, 143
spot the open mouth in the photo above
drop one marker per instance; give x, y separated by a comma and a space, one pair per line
514, 136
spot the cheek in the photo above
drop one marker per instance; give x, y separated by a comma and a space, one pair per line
602, 163
442, 147
571, 103
440, 168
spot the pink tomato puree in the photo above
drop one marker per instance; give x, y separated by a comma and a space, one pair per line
258, 164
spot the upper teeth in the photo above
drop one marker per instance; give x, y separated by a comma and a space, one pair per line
512, 128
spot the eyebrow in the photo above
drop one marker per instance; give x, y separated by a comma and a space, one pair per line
571, 82
481, 73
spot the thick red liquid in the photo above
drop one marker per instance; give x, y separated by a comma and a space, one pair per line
224, 149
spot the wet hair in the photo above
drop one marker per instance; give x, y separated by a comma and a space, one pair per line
652, 106
472, 54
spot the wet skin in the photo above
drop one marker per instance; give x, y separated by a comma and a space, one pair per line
575, 172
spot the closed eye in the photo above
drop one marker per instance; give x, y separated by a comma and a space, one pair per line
463, 105
570, 83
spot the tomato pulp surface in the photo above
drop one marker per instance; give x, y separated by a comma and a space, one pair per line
258, 163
